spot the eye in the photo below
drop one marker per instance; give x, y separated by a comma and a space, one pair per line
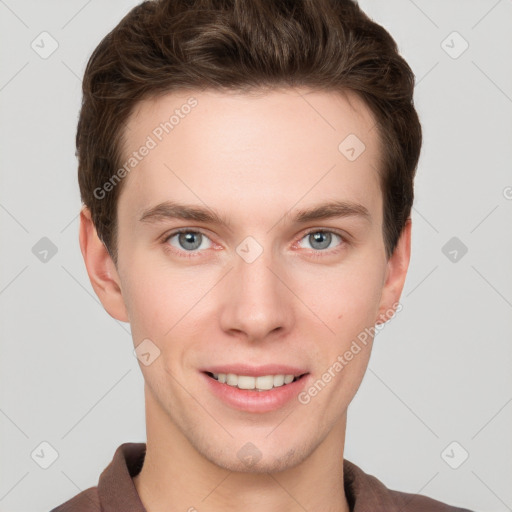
187, 240
320, 240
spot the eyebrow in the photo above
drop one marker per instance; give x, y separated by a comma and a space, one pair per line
332, 209
174, 210
329, 210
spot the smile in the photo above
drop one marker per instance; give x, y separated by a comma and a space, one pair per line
264, 392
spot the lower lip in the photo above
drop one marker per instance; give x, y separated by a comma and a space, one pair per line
256, 401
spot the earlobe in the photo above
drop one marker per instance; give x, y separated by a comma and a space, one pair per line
396, 273
100, 268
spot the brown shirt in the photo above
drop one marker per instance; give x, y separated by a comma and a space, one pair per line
116, 491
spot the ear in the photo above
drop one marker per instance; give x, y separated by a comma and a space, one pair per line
101, 269
396, 273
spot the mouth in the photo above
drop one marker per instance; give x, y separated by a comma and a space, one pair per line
255, 383
256, 389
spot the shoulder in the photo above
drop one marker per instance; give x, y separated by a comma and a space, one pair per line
419, 503
85, 501
366, 492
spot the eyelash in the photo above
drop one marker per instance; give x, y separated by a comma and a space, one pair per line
314, 254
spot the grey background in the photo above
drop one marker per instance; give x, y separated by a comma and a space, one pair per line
440, 372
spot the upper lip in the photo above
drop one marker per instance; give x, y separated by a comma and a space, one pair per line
256, 371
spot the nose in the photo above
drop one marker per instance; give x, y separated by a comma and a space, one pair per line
255, 302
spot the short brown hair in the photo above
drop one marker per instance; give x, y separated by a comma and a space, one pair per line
162, 46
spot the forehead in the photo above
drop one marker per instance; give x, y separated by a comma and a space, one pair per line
268, 150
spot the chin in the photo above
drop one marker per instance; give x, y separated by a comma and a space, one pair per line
255, 458
269, 464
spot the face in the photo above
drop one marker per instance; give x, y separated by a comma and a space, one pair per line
250, 244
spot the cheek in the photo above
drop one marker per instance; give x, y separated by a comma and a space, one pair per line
161, 299
348, 304
146, 295
347, 296
147, 300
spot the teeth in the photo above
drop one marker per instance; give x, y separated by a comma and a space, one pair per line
266, 382
243, 382
278, 380
262, 383
231, 379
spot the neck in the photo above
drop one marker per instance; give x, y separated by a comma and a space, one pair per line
176, 476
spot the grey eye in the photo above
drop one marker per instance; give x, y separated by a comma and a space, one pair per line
320, 240
189, 240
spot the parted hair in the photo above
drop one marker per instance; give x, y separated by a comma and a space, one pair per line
161, 46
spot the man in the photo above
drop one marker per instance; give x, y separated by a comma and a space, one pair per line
246, 169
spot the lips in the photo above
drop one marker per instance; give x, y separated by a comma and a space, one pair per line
256, 389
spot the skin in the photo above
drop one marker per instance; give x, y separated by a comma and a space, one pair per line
255, 159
